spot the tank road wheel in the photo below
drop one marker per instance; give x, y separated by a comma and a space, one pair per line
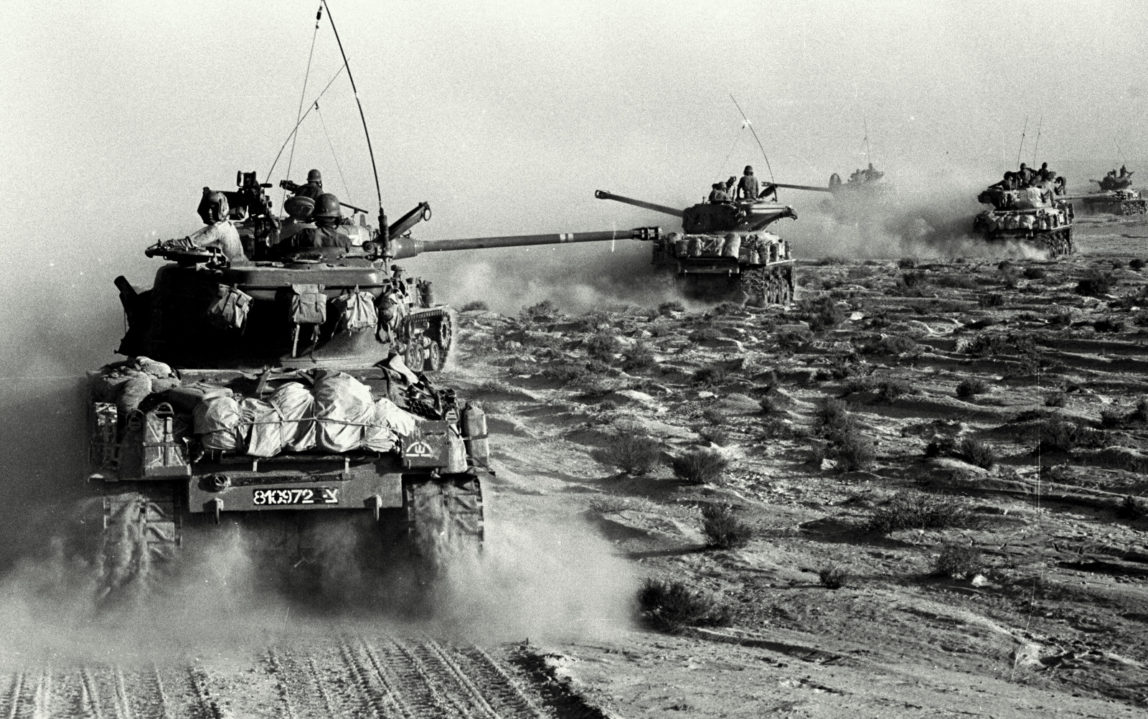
434, 359
444, 517
786, 281
413, 356
139, 544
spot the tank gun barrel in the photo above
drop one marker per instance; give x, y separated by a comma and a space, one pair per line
603, 195
811, 188
403, 247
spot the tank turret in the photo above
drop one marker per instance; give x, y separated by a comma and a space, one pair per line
723, 250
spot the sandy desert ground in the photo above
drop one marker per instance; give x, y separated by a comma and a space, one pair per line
960, 444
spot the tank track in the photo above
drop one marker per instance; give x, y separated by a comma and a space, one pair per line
766, 285
1133, 207
444, 516
1056, 244
139, 544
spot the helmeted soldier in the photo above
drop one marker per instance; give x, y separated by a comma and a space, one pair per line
1024, 175
214, 210
324, 239
748, 187
720, 192
314, 186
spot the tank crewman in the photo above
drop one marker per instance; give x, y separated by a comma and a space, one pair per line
314, 186
323, 239
721, 191
219, 232
1042, 175
1025, 175
748, 187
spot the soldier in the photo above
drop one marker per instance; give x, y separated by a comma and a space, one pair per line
323, 239
1024, 175
748, 188
314, 186
219, 232
720, 191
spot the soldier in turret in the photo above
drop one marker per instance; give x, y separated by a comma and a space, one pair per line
720, 192
1024, 175
324, 239
219, 232
748, 187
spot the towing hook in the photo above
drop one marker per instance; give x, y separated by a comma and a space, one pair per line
217, 482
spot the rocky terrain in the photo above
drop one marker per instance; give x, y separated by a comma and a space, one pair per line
917, 491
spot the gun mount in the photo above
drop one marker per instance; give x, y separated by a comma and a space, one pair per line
723, 251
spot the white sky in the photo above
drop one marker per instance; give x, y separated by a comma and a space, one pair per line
507, 115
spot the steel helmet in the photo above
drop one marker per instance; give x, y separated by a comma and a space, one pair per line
749, 169
326, 207
213, 207
315, 176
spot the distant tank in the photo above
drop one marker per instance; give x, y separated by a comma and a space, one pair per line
723, 251
1036, 215
866, 183
1116, 197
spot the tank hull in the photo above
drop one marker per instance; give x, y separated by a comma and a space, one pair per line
753, 269
1116, 202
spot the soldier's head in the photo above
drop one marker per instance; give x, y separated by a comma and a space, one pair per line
213, 207
315, 177
717, 185
1023, 166
1044, 165
749, 169
326, 211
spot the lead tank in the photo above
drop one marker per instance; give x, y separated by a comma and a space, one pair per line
724, 251
1037, 215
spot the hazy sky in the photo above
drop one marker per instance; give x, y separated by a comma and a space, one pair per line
507, 115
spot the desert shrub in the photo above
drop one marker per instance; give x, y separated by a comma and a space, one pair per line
715, 435
567, 372
723, 528
821, 314
975, 452
672, 606
833, 577
1096, 284
705, 334
1113, 419
1058, 435
713, 415
474, 306
711, 375
832, 417
910, 280
958, 561
700, 466
1136, 264
544, 310
971, 387
895, 345
890, 389
634, 455
667, 308
637, 357
853, 450
991, 299
917, 511
603, 346
1106, 324
1034, 273
847, 443
988, 344
1132, 508
1056, 399
907, 263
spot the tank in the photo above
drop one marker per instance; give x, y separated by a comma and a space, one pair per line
283, 396
1038, 215
865, 184
723, 251
1116, 196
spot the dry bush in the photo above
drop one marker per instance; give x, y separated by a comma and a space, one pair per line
667, 308
1096, 284
1034, 273
672, 606
634, 455
603, 345
848, 444
541, 312
833, 577
474, 306
723, 528
711, 375
1132, 508
977, 453
715, 435
1136, 264
821, 314
891, 345
1107, 324
638, 357
1056, 399
907, 263
958, 561
911, 280
700, 466
1059, 435
908, 510
705, 334
567, 373
971, 387
989, 344
991, 299
1115, 419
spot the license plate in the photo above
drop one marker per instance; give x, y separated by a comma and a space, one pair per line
303, 495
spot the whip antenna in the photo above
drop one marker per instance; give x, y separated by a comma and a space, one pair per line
355, 90
1022, 133
755, 137
302, 95
1037, 144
